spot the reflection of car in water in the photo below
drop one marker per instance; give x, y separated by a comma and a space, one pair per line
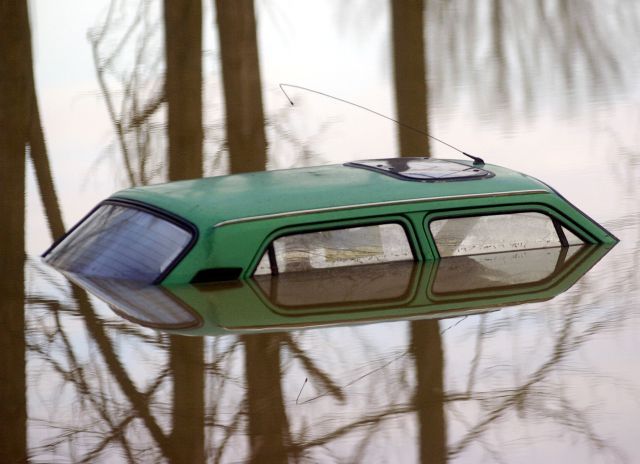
370, 212
394, 291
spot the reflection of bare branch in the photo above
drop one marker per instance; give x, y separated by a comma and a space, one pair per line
116, 433
138, 399
130, 110
478, 353
366, 421
76, 376
576, 46
314, 371
359, 378
111, 110
218, 368
98, 335
359, 452
230, 430
516, 397
42, 169
287, 139
149, 110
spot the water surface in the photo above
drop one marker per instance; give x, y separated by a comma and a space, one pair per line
109, 94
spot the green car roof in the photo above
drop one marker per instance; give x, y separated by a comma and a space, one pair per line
216, 200
234, 218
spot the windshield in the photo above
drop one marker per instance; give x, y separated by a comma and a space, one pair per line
122, 242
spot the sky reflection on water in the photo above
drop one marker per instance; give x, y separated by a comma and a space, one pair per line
548, 88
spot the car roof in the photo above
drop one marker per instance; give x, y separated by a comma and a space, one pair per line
215, 200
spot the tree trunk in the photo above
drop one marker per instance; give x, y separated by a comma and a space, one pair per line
268, 424
410, 75
15, 115
412, 107
267, 419
242, 88
183, 86
426, 347
187, 366
183, 47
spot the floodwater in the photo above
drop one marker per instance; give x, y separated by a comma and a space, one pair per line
101, 95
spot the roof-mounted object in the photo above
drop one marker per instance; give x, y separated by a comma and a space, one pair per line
423, 169
302, 220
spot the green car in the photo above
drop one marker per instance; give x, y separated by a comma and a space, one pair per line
451, 287
288, 221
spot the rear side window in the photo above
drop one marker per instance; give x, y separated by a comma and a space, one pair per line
354, 246
496, 233
121, 242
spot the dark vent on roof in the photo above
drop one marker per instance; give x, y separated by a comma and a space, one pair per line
423, 169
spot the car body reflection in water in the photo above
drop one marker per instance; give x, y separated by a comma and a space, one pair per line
314, 365
449, 287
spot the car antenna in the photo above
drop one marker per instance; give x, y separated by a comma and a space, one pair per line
476, 161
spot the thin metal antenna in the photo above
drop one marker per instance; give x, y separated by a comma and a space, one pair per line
476, 161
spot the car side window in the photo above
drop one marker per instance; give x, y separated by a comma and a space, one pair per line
352, 246
472, 235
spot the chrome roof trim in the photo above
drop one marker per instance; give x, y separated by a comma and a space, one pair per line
380, 203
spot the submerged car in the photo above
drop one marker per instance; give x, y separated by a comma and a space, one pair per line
355, 214
439, 289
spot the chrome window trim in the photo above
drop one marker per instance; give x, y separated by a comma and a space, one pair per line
380, 203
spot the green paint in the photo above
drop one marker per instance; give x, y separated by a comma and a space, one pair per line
238, 215
432, 289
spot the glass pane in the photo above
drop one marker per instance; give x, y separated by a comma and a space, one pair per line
493, 234
121, 242
342, 247
572, 238
339, 286
573, 250
466, 273
264, 268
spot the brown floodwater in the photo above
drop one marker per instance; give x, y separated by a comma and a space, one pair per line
425, 366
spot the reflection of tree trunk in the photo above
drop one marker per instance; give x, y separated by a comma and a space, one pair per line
242, 90
42, 169
268, 425
96, 328
15, 97
97, 333
410, 75
13, 407
187, 366
498, 47
411, 100
426, 347
183, 45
